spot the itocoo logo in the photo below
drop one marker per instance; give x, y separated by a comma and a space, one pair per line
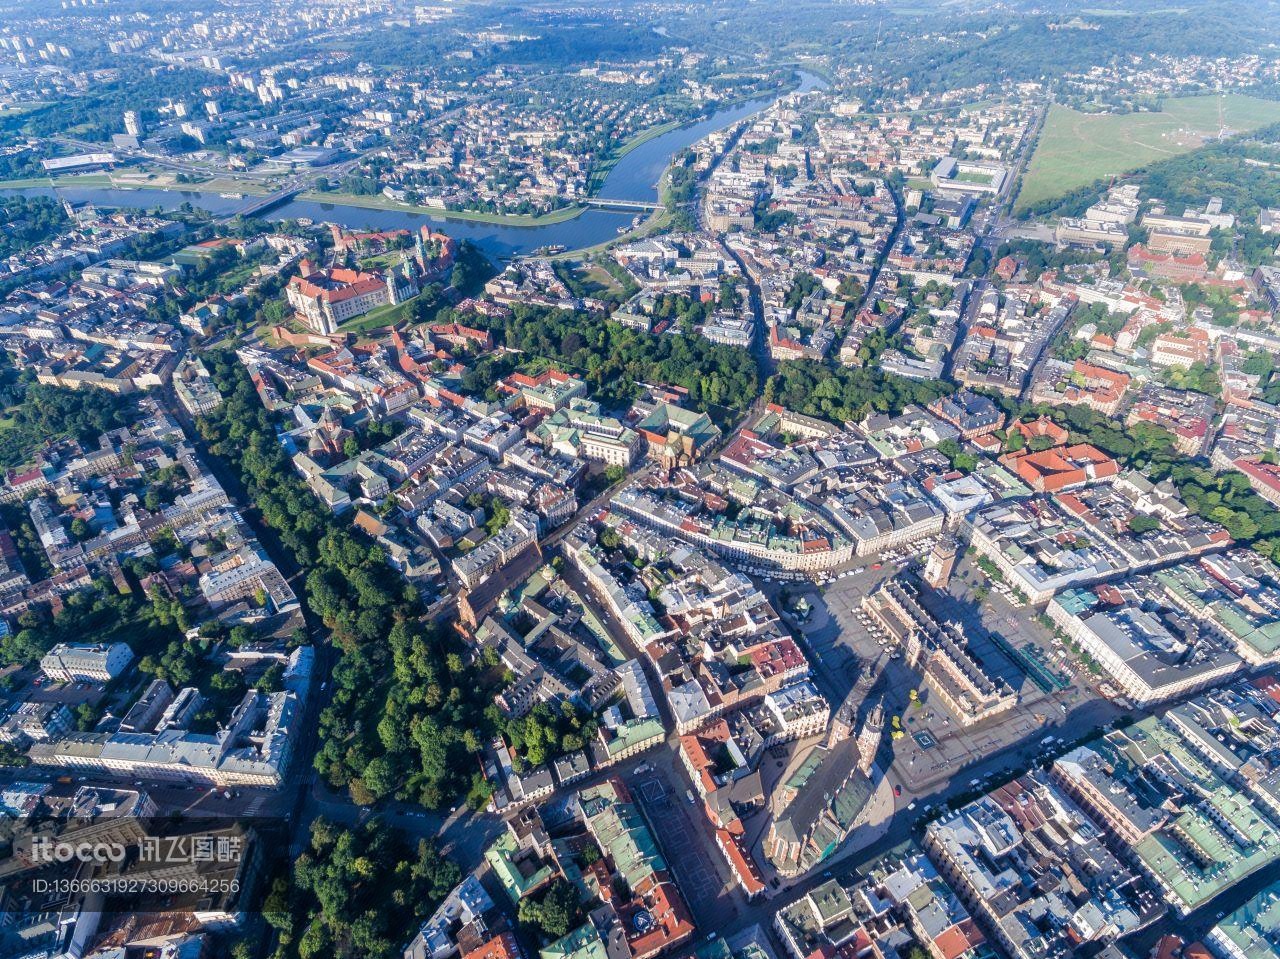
45, 849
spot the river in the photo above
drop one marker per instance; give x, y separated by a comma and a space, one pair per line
634, 177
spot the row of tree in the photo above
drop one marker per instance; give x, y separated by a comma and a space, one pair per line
404, 716
407, 714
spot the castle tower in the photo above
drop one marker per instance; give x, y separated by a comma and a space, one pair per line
869, 738
941, 563
406, 275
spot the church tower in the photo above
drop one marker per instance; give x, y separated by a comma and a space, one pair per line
941, 562
869, 738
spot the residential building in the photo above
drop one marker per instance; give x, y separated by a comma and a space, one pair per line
86, 663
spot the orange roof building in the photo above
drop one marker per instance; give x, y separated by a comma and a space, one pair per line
501, 946
326, 298
1181, 349
958, 940
745, 870
1263, 477
669, 922
1064, 467
1169, 266
698, 752
1083, 383
1006, 268
1043, 426
1059, 467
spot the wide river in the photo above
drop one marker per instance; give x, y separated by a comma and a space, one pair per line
634, 177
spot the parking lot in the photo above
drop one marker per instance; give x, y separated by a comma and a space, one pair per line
31, 685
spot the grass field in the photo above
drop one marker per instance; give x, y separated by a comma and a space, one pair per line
26, 183
19, 109
379, 316
1077, 148
596, 279
167, 180
71, 179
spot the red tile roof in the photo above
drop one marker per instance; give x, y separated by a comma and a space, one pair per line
501, 946
743, 866
959, 939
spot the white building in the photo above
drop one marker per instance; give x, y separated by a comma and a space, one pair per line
88, 663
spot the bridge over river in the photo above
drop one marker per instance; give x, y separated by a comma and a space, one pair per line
257, 205
645, 206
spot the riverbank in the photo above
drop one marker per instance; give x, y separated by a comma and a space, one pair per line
655, 222
380, 202
659, 219
634, 176
651, 133
169, 181
46, 182
637, 140
169, 184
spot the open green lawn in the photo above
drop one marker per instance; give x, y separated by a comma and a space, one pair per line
378, 316
1076, 148
72, 179
167, 180
26, 183
596, 279
18, 109
382, 261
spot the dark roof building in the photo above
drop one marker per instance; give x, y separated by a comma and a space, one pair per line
971, 413
830, 793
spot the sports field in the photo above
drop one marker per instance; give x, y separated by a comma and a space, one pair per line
1077, 148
